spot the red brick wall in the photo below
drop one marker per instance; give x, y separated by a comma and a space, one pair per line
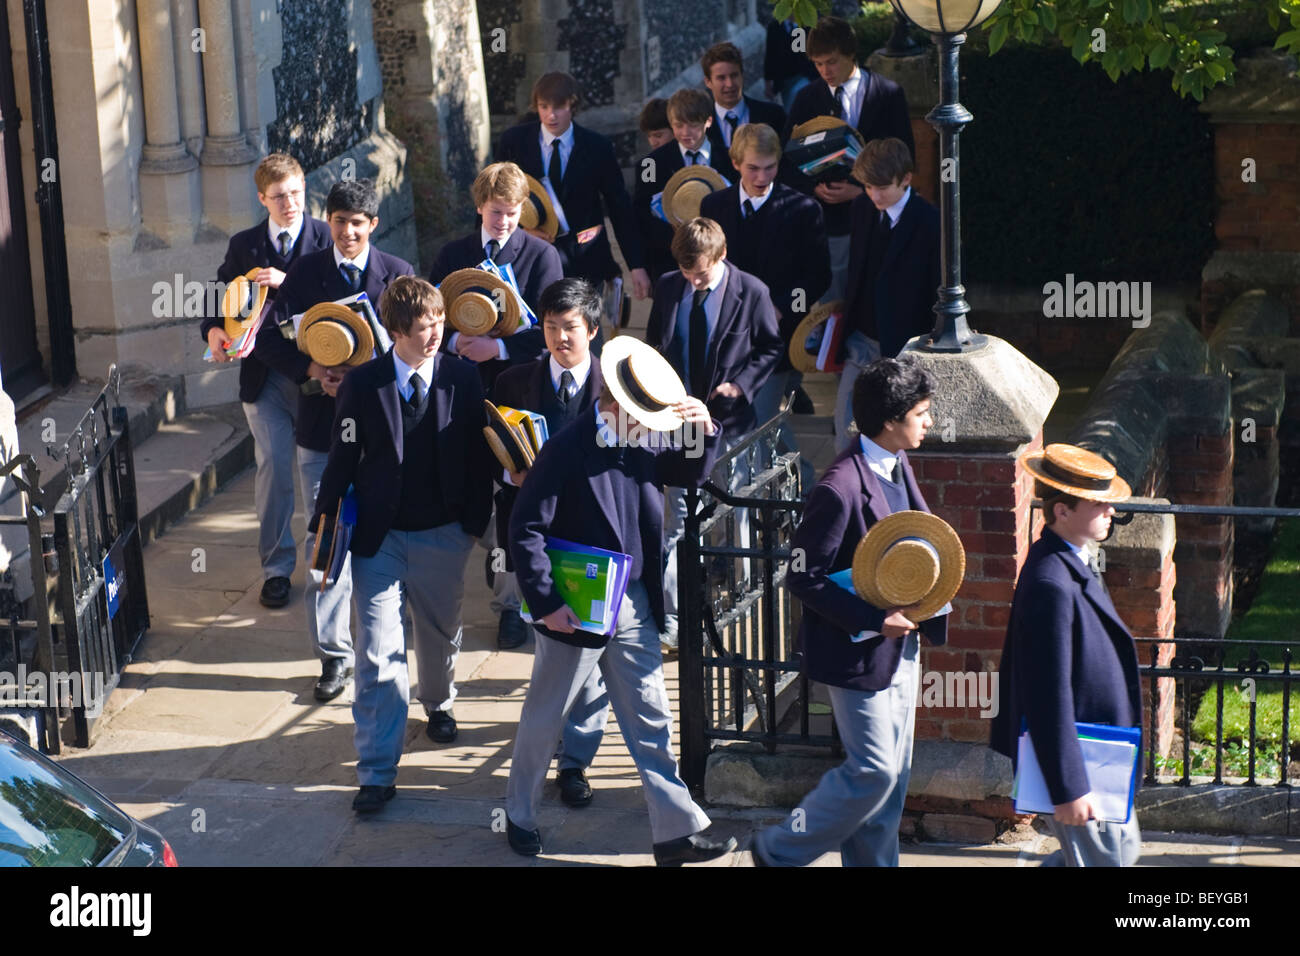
1262, 216
1200, 473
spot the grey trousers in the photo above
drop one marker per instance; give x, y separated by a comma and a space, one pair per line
329, 614
428, 568
632, 665
270, 420
856, 808
862, 351
838, 246
1096, 844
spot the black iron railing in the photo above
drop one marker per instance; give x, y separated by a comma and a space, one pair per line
90, 608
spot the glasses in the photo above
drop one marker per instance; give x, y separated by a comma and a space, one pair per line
285, 197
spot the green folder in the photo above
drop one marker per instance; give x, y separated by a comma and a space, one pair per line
592, 582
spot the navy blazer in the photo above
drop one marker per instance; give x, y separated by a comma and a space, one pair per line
839, 510
1068, 657
760, 111
884, 114
253, 249
652, 174
316, 278
908, 284
786, 249
591, 188
529, 387
744, 348
569, 494
367, 449
536, 265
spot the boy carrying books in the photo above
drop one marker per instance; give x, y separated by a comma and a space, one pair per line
591, 486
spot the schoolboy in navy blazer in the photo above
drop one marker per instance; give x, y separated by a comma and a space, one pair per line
744, 346
832, 46
591, 185
724, 75
1068, 657
372, 462
269, 399
690, 111
253, 249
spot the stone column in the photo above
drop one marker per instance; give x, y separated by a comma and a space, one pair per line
169, 182
163, 150
228, 192
189, 76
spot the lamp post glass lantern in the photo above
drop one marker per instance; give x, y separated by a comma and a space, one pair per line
947, 22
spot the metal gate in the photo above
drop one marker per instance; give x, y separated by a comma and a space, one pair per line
90, 606
739, 672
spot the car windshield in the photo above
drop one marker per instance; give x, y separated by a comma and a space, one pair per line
50, 818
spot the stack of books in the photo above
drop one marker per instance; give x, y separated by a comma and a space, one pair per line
592, 582
1110, 759
827, 155
506, 273
333, 539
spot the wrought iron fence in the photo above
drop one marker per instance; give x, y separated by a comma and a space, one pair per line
90, 604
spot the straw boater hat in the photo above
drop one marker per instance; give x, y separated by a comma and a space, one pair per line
1076, 471
504, 441
333, 334
686, 189
538, 211
800, 357
238, 295
642, 382
910, 560
472, 296
818, 124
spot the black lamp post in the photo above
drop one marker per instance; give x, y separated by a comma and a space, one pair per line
947, 22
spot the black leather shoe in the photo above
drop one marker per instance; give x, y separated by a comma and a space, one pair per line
372, 797
334, 676
512, 632
696, 848
442, 727
574, 789
803, 404
524, 842
275, 592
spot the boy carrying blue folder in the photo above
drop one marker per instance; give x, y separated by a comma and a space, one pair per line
1069, 661
592, 486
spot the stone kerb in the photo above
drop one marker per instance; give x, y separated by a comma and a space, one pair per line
1161, 414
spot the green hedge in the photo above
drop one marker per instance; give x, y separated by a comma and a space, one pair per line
1064, 171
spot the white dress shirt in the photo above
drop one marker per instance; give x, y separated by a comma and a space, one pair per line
274, 229
754, 201
712, 307
856, 88
360, 261
704, 151
579, 373
896, 209
565, 140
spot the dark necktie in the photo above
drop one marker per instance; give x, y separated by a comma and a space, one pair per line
417, 391
351, 275
554, 168
842, 102
885, 220
748, 208
285, 244
733, 121
492, 248
694, 156
699, 345
897, 475
566, 388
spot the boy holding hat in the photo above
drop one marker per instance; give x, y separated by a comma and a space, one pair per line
350, 265
1068, 656
690, 113
893, 268
580, 171
724, 75
408, 437
716, 326
270, 398
866, 654
870, 103
795, 270
559, 386
500, 192
592, 485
